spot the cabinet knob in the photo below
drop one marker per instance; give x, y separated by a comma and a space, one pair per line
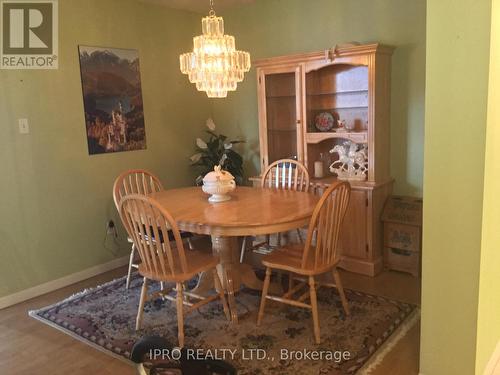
298, 121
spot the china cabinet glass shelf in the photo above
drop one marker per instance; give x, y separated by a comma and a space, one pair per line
280, 96
346, 92
356, 137
339, 108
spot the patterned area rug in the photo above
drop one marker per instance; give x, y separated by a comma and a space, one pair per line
104, 317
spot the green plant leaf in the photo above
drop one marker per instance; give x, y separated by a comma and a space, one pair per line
216, 153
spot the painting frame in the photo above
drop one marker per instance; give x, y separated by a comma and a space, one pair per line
112, 99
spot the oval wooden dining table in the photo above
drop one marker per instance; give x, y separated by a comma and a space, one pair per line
251, 211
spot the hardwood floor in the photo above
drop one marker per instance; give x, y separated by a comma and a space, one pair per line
30, 347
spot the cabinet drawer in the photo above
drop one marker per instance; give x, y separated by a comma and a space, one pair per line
402, 237
402, 260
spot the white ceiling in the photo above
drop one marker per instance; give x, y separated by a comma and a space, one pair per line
200, 6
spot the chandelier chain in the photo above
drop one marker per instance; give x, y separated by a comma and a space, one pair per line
211, 13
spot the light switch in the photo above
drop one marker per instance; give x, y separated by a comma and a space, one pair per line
24, 127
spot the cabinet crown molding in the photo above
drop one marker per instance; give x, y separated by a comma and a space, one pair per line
340, 51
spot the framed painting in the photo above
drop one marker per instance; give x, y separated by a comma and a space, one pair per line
112, 99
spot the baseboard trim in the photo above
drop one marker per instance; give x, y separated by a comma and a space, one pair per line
50, 286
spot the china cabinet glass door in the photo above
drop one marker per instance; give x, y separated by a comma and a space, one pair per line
281, 117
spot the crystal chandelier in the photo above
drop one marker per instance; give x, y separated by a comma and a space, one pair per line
215, 66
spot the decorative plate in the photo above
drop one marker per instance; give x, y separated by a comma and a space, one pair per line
324, 121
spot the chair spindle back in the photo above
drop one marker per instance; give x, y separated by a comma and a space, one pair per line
326, 222
146, 222
286, 174
135, 181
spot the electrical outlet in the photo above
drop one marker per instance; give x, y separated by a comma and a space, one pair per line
110, 242
24, 127
110, 227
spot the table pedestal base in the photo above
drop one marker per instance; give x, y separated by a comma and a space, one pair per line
232, 273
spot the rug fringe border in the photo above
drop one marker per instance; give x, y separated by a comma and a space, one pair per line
83, 340
75, 296
34, 314
377, 357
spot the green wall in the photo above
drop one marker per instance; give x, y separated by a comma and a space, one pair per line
279, 27
458, 39
55, 199
488, 327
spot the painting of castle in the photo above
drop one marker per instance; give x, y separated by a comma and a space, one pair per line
112, 98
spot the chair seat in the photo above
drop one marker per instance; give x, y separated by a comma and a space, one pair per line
197, 263
289, 258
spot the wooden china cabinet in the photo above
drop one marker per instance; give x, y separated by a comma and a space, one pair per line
351, 83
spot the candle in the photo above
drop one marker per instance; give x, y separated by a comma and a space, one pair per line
318, 169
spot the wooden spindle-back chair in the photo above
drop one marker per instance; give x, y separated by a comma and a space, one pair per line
165, 261
320, 255
284, 174
136, 181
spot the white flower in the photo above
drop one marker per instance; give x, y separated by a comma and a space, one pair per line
228, 146
211, 124
222, 160
201, 143
196, 157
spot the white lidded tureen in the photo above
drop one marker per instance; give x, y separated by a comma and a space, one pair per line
219, 184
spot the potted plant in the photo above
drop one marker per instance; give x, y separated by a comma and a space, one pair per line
217, 150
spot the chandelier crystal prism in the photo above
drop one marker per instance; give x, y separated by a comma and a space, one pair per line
215, 66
